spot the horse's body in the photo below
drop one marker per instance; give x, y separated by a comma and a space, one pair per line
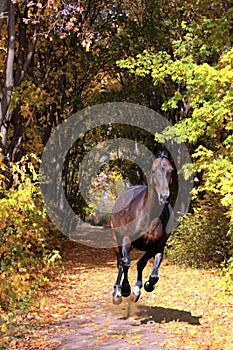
141, 218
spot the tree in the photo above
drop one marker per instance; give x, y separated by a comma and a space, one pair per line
34, 31
195, 78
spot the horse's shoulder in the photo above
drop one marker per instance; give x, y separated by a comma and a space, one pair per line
133, 192
129, 195
136, 190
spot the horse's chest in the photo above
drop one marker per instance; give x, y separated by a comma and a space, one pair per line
151, 236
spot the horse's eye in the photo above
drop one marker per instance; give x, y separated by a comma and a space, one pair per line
153, 171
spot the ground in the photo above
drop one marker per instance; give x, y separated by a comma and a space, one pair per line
188, 309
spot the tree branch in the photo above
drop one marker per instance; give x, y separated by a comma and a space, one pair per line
29, 54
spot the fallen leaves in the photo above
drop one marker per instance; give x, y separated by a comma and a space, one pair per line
4, 328
202, 293
187, 310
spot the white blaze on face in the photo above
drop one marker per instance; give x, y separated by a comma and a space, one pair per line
161, 178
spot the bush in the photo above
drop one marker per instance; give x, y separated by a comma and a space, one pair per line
228, 270
202, 239
26, 256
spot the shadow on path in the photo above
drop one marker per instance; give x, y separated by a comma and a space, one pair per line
159, 314
129, 326
164, 315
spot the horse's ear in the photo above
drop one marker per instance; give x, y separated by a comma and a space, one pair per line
162, 154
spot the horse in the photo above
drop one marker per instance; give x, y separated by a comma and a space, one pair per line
142, 218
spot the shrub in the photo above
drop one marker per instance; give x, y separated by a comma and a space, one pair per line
26, 257
202, 239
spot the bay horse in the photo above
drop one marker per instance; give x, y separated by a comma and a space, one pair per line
142, 218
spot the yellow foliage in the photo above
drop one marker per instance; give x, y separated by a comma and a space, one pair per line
25, 256
4, 328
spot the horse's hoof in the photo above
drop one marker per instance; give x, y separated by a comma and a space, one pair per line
116, 300
125, 294
149, 287
134, 298
125, 289
135, 295
153, 280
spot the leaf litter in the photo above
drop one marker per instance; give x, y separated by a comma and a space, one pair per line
188, 309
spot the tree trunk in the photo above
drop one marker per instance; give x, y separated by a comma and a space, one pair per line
4, 5
9, 78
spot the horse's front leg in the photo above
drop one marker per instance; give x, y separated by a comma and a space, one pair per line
154, 277
140, 267
123, 267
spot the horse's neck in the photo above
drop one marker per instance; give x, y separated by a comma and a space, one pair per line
152, 204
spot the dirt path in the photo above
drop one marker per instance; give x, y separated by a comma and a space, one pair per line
187, 310
91, 320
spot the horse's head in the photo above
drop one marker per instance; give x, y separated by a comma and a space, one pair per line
161, 178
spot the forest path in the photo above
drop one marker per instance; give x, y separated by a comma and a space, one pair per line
187, 310
91, 320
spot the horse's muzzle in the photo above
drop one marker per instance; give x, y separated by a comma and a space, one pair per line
163, 197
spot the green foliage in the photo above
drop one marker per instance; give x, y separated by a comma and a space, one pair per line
200, 95
228, 273
26, 257
201, 239
228, 270
210, 128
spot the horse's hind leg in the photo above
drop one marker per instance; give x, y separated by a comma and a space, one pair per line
154, 277
126, 246
123, 267
140, 266
117, 295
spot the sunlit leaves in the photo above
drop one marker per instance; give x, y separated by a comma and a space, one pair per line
24, 253
210, 96
188, 309
196, 76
